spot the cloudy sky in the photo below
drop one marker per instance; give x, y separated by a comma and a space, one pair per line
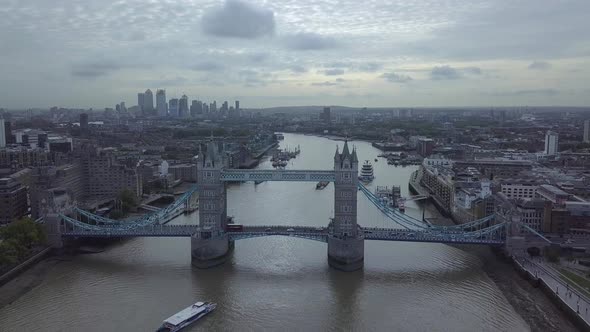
95, 53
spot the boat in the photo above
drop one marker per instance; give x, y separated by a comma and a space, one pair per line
367, 172
376, 160
401, 204
321, 185
187, 316
391, 197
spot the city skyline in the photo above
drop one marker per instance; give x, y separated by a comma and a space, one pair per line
482, 53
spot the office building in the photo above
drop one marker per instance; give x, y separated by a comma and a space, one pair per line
173, 107
325, 116
7, 132
140, 101
2, 134
587, 131
42, 140
84, 123
237, 105
13, 200
123, 107
196, 108
183, 107
161, 105
551, 143
425, 146
148, 101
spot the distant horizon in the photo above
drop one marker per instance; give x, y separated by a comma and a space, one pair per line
481, 108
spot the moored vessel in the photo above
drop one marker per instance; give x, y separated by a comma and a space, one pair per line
321, 185
367, 172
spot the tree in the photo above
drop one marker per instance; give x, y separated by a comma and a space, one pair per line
25, 232
128, 200
8, 253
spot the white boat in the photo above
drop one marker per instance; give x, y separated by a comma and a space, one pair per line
367, 172
187, 316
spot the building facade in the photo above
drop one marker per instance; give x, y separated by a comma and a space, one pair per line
13, 200
551, 143
161, 105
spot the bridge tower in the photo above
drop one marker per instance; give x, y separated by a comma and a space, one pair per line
211, 246
346, 241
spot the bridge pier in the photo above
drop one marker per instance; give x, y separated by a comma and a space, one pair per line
52, 225
206, 253
346, 254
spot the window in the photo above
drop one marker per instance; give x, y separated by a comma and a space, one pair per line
346, 194
346, 208
346, 176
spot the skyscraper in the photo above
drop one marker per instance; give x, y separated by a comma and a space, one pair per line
587, 131
83, 123
173, 107
2, 134
237, 105
140, 101
183, 107
148, 101
8, 132
161, 103
551, 143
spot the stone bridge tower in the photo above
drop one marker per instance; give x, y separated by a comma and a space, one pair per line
211, 246
346, 243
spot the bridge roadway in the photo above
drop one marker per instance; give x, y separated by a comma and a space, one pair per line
312, 233
277, 175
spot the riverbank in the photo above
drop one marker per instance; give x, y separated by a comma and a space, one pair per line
26, 281
537, 310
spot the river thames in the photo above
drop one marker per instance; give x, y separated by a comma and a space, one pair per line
274, 283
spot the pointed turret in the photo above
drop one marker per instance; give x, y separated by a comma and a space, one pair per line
354, 157
345, 151
337, 155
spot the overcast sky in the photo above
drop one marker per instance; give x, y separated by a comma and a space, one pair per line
96, 53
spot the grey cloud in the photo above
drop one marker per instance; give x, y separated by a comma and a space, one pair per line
444, 73
370, 67
336, 82
208, 66
337, 64
332, 72
238, 19
258, 57
539, 65
326, 83
252, 78
396, 78
531, 92
95, 69
305, 41
472, 70
298, 69
551, 30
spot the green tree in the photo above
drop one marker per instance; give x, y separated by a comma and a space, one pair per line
9, 253
128, 200
25, 232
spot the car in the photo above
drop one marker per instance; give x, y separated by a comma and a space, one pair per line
411, 235
290, 230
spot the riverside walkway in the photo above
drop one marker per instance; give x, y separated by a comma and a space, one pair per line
569, 295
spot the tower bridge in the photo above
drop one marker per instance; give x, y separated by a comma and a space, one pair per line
212, 241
